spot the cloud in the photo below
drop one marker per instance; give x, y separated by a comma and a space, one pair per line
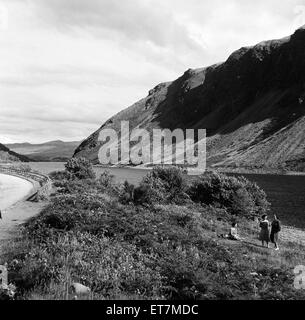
67, 66
17, 130
135, 20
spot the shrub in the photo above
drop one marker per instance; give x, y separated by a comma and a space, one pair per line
238, 195
74, 186
106, 179
126, 194
118, 269
259, 197
173, 179
106, 184
150, 191
162, 185
22, 167
59, 175
80, 168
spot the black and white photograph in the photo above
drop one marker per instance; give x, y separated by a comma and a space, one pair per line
152, 150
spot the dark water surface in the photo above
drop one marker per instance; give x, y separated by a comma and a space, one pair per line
286, 193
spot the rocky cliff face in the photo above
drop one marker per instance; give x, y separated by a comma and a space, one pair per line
252, 105
6, 155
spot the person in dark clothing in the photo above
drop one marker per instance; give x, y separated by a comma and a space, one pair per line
264, 235
0, 215
275, 230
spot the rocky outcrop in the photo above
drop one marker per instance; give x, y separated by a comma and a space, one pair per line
252, 105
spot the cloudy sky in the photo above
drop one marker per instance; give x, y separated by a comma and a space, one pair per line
66, 66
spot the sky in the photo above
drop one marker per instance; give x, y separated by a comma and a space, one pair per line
66, 66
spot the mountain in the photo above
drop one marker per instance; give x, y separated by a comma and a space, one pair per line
252, 105
6, 155
49, 151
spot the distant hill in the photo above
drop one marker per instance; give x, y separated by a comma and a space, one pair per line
252, 105
6, 155
49, 151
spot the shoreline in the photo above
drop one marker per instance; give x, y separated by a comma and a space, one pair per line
274, 172
191, 170
16, 213
17, 186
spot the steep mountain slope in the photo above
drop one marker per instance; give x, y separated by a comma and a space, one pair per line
6, 155
49, 151
252, 105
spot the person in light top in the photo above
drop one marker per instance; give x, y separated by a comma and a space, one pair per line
233, 235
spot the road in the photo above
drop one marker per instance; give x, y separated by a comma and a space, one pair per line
15, 211
12, 189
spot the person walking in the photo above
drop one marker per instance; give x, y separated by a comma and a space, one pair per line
264, 235
275, 230
0, 215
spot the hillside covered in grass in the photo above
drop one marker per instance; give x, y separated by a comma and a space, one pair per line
252, 106
55, 151
159, 240
7, 156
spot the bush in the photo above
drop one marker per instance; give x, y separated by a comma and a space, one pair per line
74, 186
106, 179
173, 179
22, 167
59, 175
127, 193
162, 185
150, 191
238, 195
259, 197
118, 269
80, 168
106, 182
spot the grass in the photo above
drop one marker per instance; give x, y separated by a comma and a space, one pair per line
133, 251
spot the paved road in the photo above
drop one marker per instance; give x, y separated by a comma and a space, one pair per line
14, 212
12, 189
